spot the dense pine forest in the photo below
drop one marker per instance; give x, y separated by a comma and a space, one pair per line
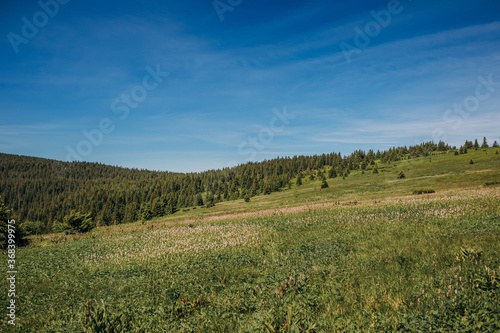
42, 193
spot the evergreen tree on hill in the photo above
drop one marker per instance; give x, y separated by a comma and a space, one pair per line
5, 217
147, 213
78, 223
332, 173
199, 200
485, 143
299, 180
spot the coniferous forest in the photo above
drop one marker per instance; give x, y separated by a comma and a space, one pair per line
43, 192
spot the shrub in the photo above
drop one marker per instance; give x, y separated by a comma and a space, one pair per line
422, 191
401, 175
33, 228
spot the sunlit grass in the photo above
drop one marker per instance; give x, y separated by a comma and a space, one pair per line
370, 264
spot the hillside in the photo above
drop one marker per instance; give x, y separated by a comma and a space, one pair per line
42, 192
368, 253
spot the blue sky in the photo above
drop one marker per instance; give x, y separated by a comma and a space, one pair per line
427, 70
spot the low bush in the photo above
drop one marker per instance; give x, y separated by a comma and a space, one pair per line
424, 191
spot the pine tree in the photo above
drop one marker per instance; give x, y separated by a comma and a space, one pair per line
18, 238
332, 173
324, 184
78, 223
485, 143
210, 200
476, 144
147, 213
299, 180
495, 144
471, 162
158, 207
199, 200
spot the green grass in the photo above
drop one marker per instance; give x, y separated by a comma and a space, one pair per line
365, 254
440, 172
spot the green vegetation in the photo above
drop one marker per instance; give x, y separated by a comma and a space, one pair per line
18, 234
43, 192
363, 254
400, 264
78, 223
424, 191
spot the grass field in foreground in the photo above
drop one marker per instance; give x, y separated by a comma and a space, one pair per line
409, 264
365, 254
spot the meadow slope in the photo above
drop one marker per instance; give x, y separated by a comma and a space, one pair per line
364, 254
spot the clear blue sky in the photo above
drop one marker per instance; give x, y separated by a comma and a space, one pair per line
415, 73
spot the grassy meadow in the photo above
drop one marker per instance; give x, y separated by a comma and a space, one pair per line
364, 254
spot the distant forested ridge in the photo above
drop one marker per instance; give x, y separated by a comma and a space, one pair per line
44, 191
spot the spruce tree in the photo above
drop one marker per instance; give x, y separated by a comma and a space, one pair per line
78, 223
485, 143
324, 184
199, 200
147, 213
210, 200
476, 144
5, 217
495, 144
332, 173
